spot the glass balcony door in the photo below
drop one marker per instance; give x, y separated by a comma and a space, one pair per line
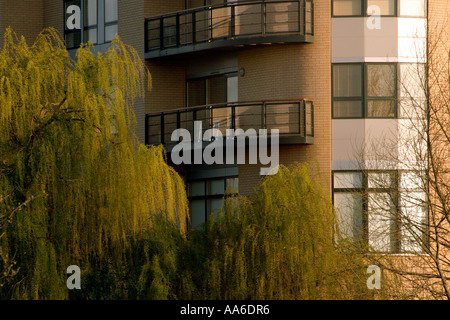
221, 89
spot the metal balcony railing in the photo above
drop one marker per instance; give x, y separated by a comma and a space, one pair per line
231, 23
293, 118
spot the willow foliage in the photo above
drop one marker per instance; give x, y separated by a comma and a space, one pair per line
279, 244
76, 187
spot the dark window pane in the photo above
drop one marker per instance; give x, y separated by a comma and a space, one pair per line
347, 7
347, 80
67, 4
381, 109
90, 35
111, 12
233, 185
90, 13
212, 2
381, 80
110, 32
216, 90
216, 187
195, 4
73, 39
198, 212
214, 207
347, 109
196, 91
197, 188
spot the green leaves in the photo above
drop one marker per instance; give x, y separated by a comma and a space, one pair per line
81, 189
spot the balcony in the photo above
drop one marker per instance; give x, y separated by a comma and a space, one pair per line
293, 118
231, 24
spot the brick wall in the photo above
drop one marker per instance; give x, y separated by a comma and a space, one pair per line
53, 15
24, 17
168, 76
156, 7
272, 72
169, 86
131, 32
294, 71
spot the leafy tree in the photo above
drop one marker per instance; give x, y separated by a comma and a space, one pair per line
76, 187
278, 244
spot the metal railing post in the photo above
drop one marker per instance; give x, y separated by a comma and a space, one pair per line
146, 130
194, 27
161, 33
177, 22
304, 120
305, 109
300, 107
233, 117
233, 22
264, 115
263, 18
162, 129
146, 36
303, 5
210, 36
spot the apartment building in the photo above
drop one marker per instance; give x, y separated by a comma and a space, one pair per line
335, 77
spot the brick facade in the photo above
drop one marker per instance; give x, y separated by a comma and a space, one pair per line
24, 17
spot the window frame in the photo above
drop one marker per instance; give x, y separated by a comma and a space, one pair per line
368, 98
224, 76
363, 11
110, 23
206, 197
364, 7
364, 86
89, 27
100, 26
395, 192
73, 31
361, 98
396, 10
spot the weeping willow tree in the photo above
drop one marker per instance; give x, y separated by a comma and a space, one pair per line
76, 187
278, 244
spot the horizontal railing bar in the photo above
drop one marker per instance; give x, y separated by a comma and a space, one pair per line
215, 6
225, 105
225, 21
291, 122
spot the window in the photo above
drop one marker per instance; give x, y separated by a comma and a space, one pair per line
111, 19
413, 8
347, 8
72, 27
381, 211
94, 21
206, 197
387, 8
364, 90
381, 90
212, 90
412, 91
90, 21
347, 91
